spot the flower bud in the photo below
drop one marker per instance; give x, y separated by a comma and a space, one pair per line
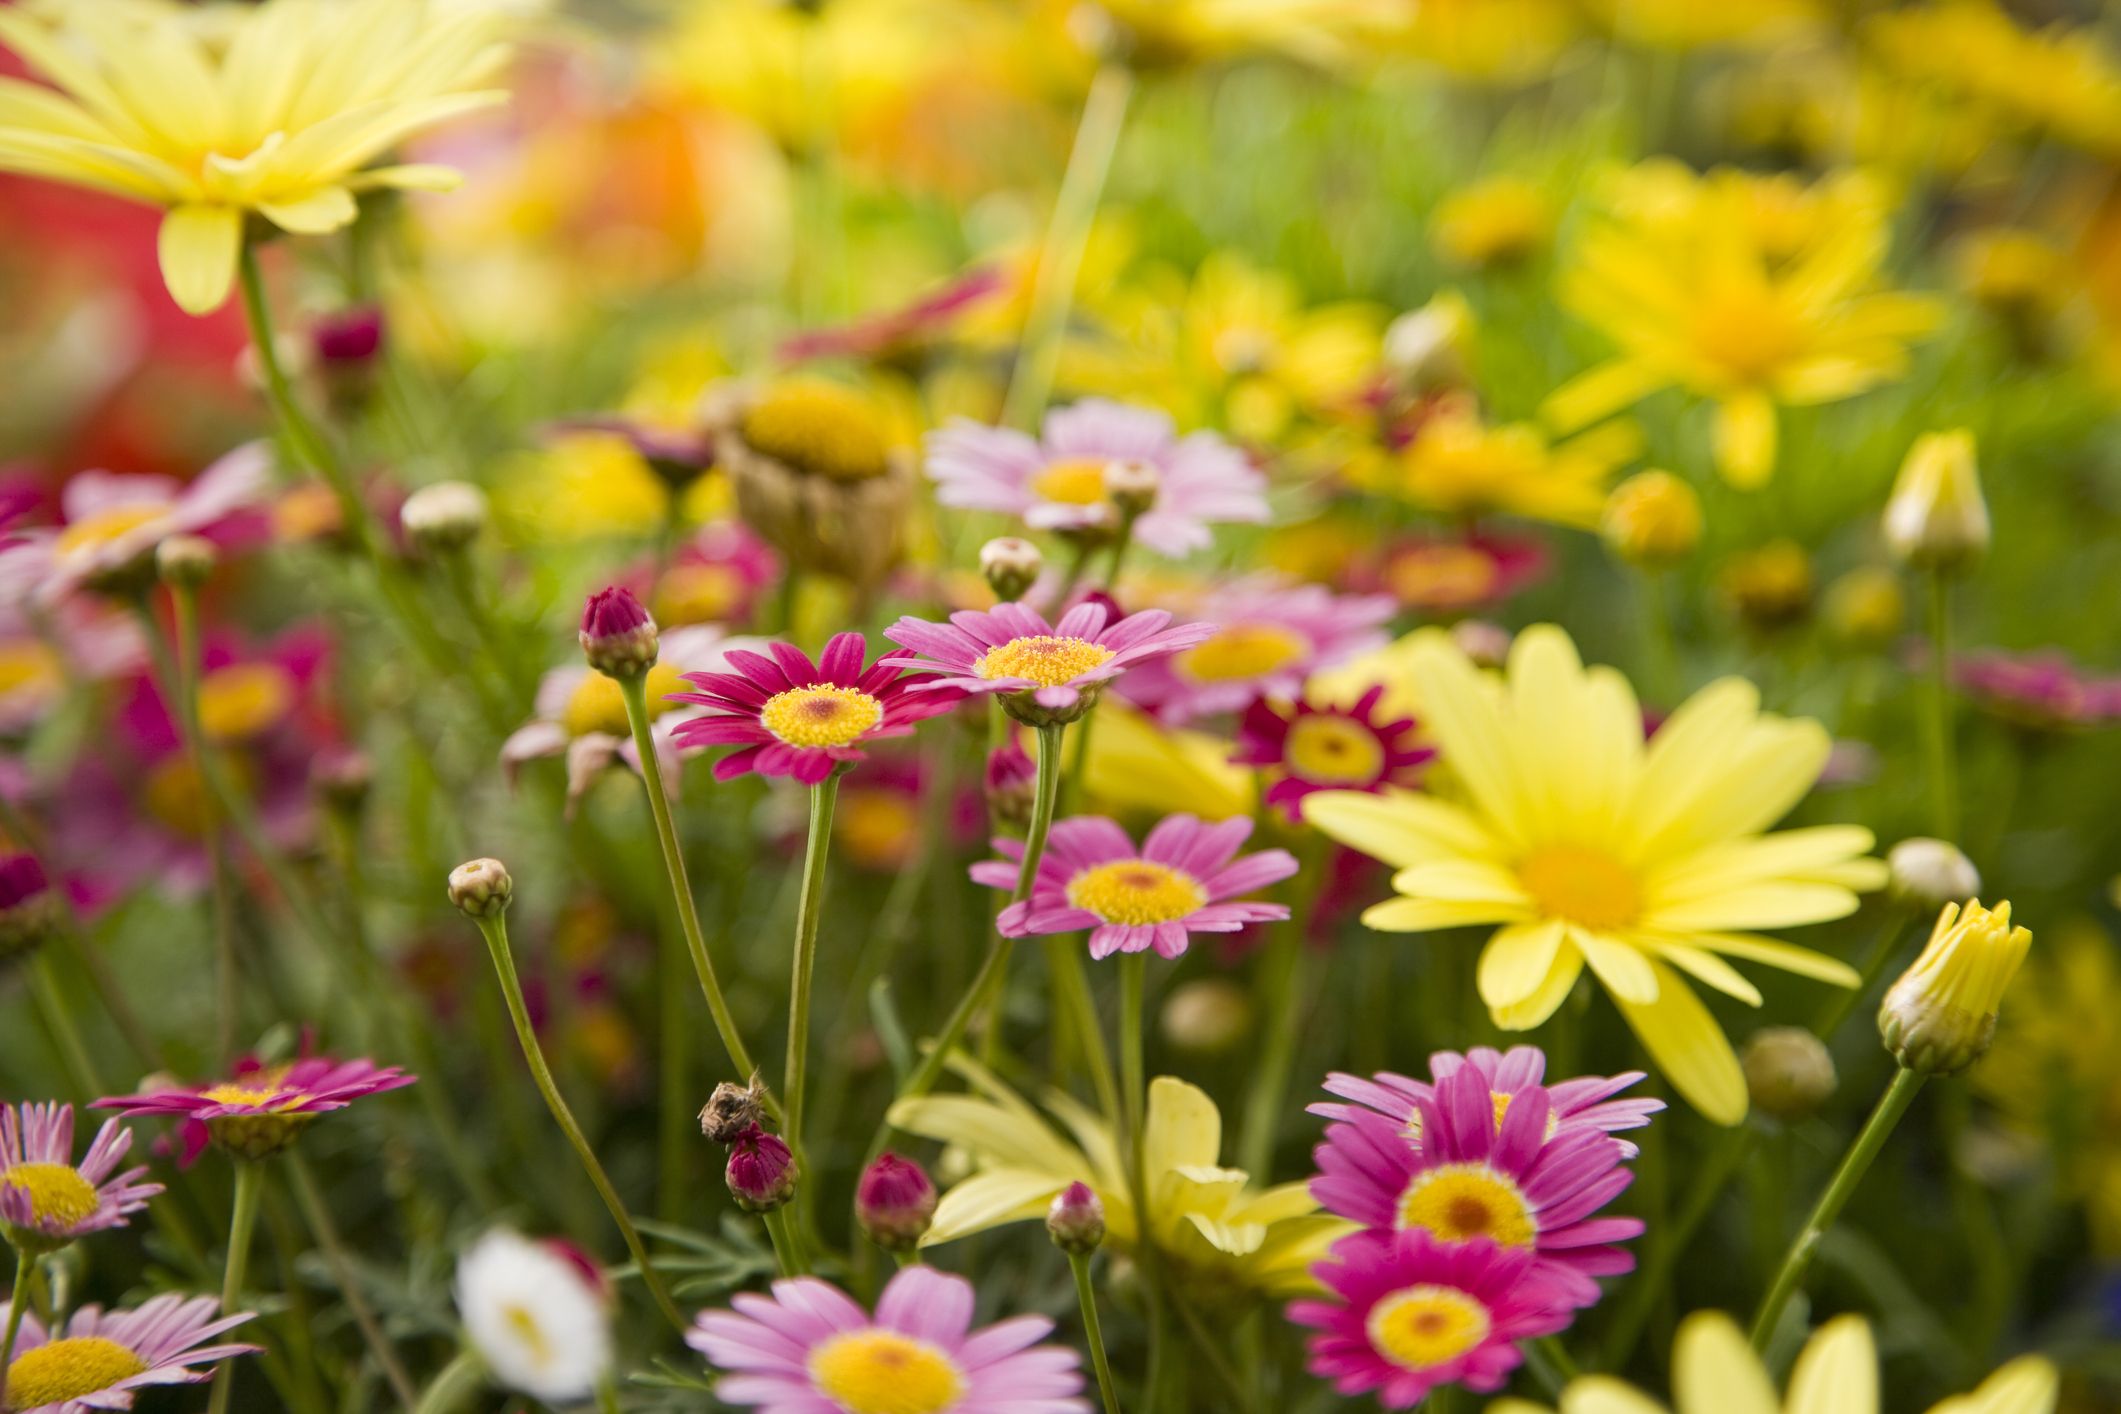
1788, 1072
348, 339
895, 1203
732, 1111
1425, 348
341, 777
1011, 566
481, 888
617, 636
1209, 1016
1771, 587
1865, 609
1076, 1221
1131, 485
1652, 520
1936, 518
186, 561
29, 909
761, 1171
1940, 1017
445, 516
1012, 781
1923, 875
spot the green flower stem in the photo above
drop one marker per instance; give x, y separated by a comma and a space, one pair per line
495, 930
59, 1021
785, 1248
17, 1308
674, 1087
823, 797
1071, 985
317, 1214
242, 1221
1283, 982
458, 1381
1093, 1333
1133, 974
635, 691
1060, 262
1943, 765
1891, 1106
607, 1396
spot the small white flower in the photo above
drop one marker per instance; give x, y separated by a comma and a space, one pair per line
537, 1316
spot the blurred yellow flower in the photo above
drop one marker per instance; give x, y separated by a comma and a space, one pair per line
1325, 32
582, 486
1749, 291
1219, 1237
1647, 861
1493, 40
1138, 766
1495, 221
2014, 272
2058, 80
279, 111
1460, 465
1692, 24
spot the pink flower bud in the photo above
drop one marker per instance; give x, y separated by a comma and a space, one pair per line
618, 636
761, 1171
1076, 1220
895, 1203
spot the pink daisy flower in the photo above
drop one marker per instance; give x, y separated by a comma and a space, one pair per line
1413, 1313
809, 1349
1057, 482
1270, 635
1315, 747
797, 718
1584, 1103
98, 1358
2042, 691
262, 1108
46, 1200
113, 522
718, 576
1178, 883
1486, 1170
1047, 673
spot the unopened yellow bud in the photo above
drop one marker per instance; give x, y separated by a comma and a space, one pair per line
1940, 1017
1652, 519
1865, 609
1937, 518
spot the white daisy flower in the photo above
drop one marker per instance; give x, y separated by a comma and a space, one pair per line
538, 1314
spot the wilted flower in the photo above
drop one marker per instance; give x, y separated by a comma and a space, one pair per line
1941, 1015
538, 1313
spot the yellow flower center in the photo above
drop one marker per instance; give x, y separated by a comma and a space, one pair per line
1043, 659
597, 705
697, 594
1458, 1201
1442, 574
1585, 886
883, 1372
1747, 329
525, 1328
820, 428
1502, 1107
876, 828
820, 716
57, 1192
1074, 481
258, 1095
27, 666
1421, 1326
1333, 750
68, 1369
241, 700
92, 533
175, 795
1243, 651
1136, 891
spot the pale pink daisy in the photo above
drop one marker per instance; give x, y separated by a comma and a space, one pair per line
46, 1200
809, 1349
1270, 635
98, 1358
1057, 481
1184, 879
114, 522
1583, 1103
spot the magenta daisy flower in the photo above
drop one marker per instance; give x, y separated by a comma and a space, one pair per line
1314, 747
1490, 1167
797, 718
1057, 482
1270, 636
46, 1200
809, 1349
1583, 1103
1413, 1313
2042, 691
1181, 881
98, 1358
114, 522
262, 1108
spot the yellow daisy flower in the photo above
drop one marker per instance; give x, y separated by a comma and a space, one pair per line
2059, 79
1137, 766
1494, 40
278, 110
1646, 860
1326, 32
1215, 1233
1459, 464
1715, 1372
1749, 291
1494, 221
1689, 24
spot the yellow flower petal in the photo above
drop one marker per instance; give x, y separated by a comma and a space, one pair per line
2028, 1385
1560, 979
1714, 1371
1626, 973
1398, 827
1787, 956
1516, 960
1422, 915
993, 1197
1182, 1127
1770, 905
324, 210
198, 247
1599, 393
1706, 967
1837, 1371
1602, 1394
1689, 1047
1745, 439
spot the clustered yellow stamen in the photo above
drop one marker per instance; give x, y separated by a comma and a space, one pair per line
1458, 1201
1243, 651
241, 700
524, 1326
1135, 891
259, 1096
821, 716
57, 1192
1423, 1326
92, 533
597, 705
1333, 750
883, 1372
175, 795
28, 666
68, 1369
1584, 886
1044, 659
821, 428
1457, 574
1074, 481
